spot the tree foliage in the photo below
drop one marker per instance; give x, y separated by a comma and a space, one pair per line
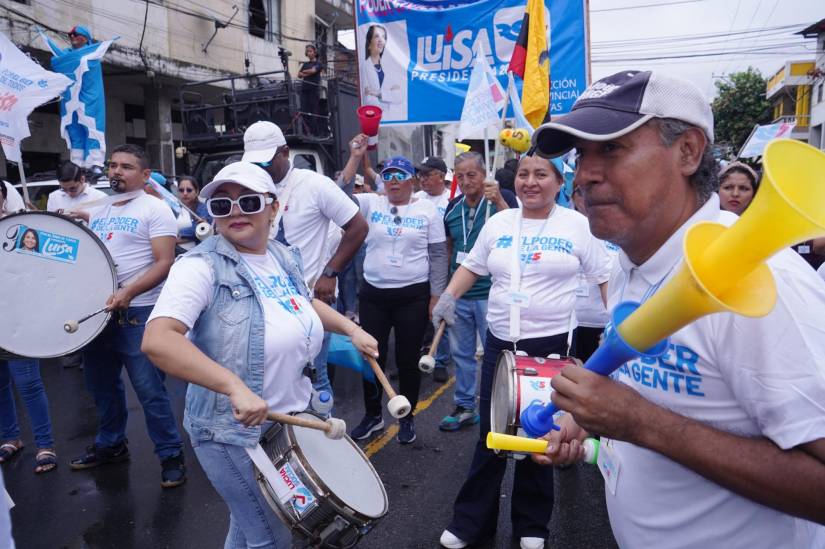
740, 104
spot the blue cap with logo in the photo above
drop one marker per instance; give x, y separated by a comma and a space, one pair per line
399, 163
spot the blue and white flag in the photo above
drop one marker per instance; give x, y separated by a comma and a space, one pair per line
24, 85
515, 103
83, 105
484, 99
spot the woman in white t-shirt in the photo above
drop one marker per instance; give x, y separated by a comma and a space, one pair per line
405, 270
534, 255
253, 329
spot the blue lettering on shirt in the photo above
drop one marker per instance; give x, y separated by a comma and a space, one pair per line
675, 371
390, 221
105, 226
281, 289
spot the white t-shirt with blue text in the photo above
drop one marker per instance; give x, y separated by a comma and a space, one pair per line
439, 201
288, 319
752, 377
552, 253
397, 253
590, 309
127, 231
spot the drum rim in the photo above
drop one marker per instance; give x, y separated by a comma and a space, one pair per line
510, 363
106, 254
299, 453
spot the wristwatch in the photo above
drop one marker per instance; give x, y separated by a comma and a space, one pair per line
329, 272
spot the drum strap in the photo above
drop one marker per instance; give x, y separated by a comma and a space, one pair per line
265, 466
111, 199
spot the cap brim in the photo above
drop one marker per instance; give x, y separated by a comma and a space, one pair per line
213, 186
591, 123
258, 156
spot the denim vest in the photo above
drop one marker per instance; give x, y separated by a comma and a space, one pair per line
231, 332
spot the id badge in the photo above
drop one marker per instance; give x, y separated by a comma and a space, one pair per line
609, 464
460, 256
583, 291
395, 261
803, 249
518, 298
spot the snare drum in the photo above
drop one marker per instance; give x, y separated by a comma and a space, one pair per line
53, 270
519, 382
330, 493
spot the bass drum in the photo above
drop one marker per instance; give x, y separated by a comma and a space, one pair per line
54, 270
520, 381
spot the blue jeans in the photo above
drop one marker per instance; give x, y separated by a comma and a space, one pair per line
116, 346
349, 281
26, 375
442, 352
252, 522
321, 382
470, 321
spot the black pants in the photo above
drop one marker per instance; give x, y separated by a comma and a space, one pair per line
406, 310
586, 342
311, 104
475, 511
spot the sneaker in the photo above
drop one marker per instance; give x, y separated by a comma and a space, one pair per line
451, 541
440, 374
406, 430
531, 543
368, 426
459, 418
101, 455
173, 471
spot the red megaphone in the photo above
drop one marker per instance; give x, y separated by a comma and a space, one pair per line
370, 118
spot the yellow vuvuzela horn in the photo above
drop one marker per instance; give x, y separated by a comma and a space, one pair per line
725, 267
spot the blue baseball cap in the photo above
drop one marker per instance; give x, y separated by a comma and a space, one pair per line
399, 163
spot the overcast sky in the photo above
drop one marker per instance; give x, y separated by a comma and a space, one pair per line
749, 32
679, 27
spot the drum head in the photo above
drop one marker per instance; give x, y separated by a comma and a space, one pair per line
54, 270
344, 469
502, 404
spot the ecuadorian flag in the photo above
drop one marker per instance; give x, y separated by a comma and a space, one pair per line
531, 62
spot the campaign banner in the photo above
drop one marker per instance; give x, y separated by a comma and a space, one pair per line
46, 245
24, 85
761, 135
415, 57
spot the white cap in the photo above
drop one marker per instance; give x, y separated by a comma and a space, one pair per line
243, 173
261, 140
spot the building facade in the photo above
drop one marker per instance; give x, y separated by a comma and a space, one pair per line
817, 125
161, 45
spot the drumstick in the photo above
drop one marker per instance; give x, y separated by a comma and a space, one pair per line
334, 428
71, 326
427, 362
398, 405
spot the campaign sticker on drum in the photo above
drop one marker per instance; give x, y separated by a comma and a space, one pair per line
302, 500
39, 243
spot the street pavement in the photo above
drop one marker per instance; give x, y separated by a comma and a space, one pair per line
123, 506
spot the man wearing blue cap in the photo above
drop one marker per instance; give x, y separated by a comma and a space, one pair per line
80, 36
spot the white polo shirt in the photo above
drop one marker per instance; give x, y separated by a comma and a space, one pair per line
313, 201
60, 199
753, 377
552, 253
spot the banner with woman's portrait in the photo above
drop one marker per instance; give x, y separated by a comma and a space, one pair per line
415, 56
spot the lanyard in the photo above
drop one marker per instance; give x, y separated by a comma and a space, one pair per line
516, 270
401, 216
464, 231
307, 329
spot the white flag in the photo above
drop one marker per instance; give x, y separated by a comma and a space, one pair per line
484, 100
24, 85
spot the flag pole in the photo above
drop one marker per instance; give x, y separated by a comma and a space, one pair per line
501, 124
22, 171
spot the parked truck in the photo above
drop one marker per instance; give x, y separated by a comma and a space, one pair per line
214, 122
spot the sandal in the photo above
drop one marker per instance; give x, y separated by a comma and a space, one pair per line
9, 449
46, 460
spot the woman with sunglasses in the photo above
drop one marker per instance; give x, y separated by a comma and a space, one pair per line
405, 270
254, 330
188, 194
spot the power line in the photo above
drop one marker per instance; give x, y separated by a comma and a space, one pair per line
656, 5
